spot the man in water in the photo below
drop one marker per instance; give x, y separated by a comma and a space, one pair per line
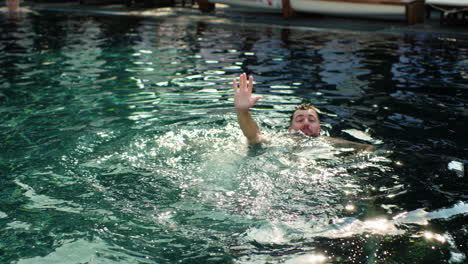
305, 118
12, 5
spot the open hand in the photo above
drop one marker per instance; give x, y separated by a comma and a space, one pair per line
243, 99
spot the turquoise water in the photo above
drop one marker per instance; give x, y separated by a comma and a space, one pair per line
120, 144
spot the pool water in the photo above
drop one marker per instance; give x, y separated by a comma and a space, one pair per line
120, 144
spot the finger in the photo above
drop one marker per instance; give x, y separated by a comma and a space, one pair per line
234, 85
242, 81
257, 98
250, 85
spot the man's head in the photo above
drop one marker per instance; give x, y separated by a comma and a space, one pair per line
305, 118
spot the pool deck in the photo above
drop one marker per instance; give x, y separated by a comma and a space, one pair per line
248, 17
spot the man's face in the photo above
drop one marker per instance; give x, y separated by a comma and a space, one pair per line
306, 121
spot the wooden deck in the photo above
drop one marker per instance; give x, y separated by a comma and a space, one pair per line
414, 10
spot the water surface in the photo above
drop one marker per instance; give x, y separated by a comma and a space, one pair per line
120, 144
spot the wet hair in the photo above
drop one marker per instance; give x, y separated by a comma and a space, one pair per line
303, 107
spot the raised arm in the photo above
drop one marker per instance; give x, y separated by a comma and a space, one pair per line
243, 100
338, 142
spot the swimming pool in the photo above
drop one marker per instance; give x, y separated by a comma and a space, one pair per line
120, 144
